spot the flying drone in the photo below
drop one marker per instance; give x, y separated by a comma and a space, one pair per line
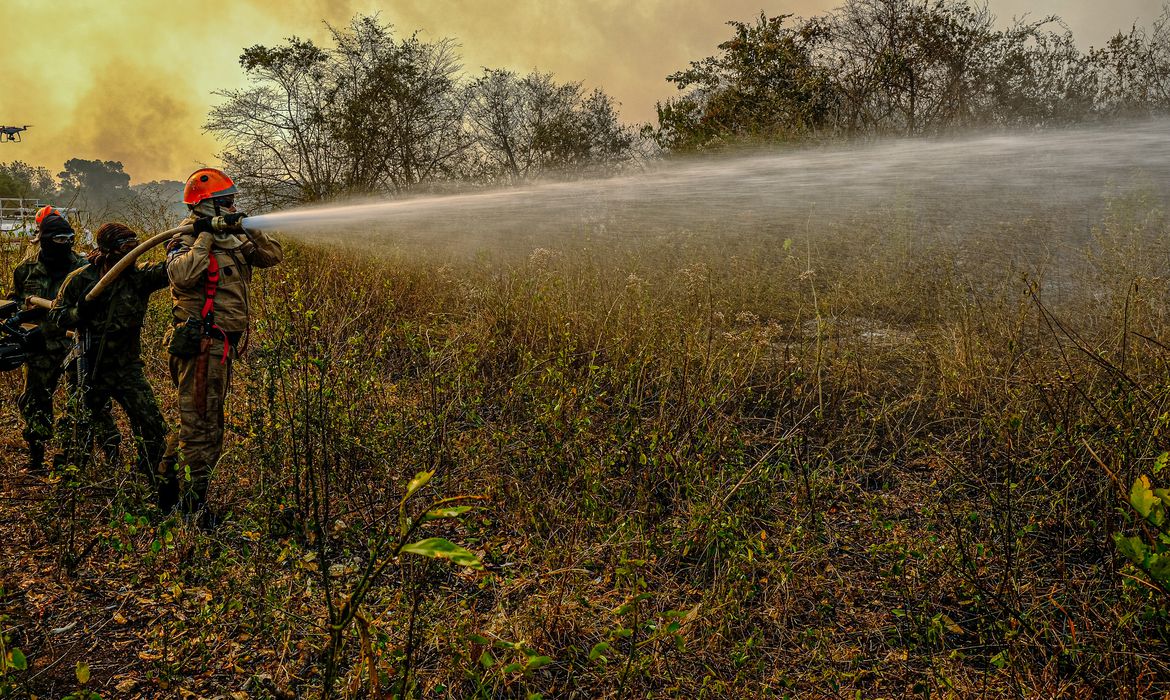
12, 133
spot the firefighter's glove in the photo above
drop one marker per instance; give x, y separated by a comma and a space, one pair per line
232, 221
203, 225
34, 340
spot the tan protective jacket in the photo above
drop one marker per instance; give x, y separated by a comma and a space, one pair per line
187, 260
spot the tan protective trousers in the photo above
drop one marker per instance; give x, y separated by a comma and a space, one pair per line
192, 453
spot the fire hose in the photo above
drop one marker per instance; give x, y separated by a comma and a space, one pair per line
130, 258
13, 337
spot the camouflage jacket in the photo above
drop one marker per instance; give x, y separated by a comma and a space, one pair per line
115, 325
187, 261
32, 279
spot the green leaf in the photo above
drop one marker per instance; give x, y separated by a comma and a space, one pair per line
1158, 568
486, 660
1142, 498
1132, 547
420, 480
441, 513
511, 668
598, 649
82, 672
537, 662
1000, 660
1160, 462
18, 661
439, 548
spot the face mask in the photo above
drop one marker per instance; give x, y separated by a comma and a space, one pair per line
54, 253
209, 207
120, 252
227, 241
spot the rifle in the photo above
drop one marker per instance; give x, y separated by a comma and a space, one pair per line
13, 338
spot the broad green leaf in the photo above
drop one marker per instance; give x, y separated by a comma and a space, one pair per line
1158, 567
1142, 498
18, 661
439, 548
537, 662
82, 672
420, 480
1160, 462
511, 668
597, 651
486, 660
440, 513
1132, 547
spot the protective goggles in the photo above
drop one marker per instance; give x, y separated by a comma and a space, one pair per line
123, 241
225, 202
62, 238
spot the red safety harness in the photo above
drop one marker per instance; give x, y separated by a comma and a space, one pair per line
209, 328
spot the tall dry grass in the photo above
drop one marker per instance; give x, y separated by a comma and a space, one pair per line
866, 459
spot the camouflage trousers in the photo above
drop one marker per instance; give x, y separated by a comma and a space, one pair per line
42, 373
193, 452
125, 383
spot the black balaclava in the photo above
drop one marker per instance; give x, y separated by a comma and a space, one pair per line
56, 241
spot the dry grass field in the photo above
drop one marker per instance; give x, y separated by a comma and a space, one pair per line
870, 459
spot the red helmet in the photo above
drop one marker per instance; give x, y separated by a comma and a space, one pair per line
46, 211
206, 183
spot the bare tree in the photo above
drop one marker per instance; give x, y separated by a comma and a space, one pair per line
275, 132
532, 126
395, 108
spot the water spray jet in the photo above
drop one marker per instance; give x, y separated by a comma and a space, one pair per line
946, 184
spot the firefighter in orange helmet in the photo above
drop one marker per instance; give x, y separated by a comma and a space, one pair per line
210, 273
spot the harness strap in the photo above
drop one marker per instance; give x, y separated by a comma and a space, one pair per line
209, 288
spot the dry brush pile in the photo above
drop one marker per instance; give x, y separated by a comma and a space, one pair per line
866, 460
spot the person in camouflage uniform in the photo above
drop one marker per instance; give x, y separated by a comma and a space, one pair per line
40, 275
113, 354
211, 274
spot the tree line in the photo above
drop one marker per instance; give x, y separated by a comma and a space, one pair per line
909, 68
99, 189
374, 113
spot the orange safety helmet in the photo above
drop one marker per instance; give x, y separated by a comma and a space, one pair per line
45, 211
206, 183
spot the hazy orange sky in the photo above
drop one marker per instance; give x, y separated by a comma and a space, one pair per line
130, 80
